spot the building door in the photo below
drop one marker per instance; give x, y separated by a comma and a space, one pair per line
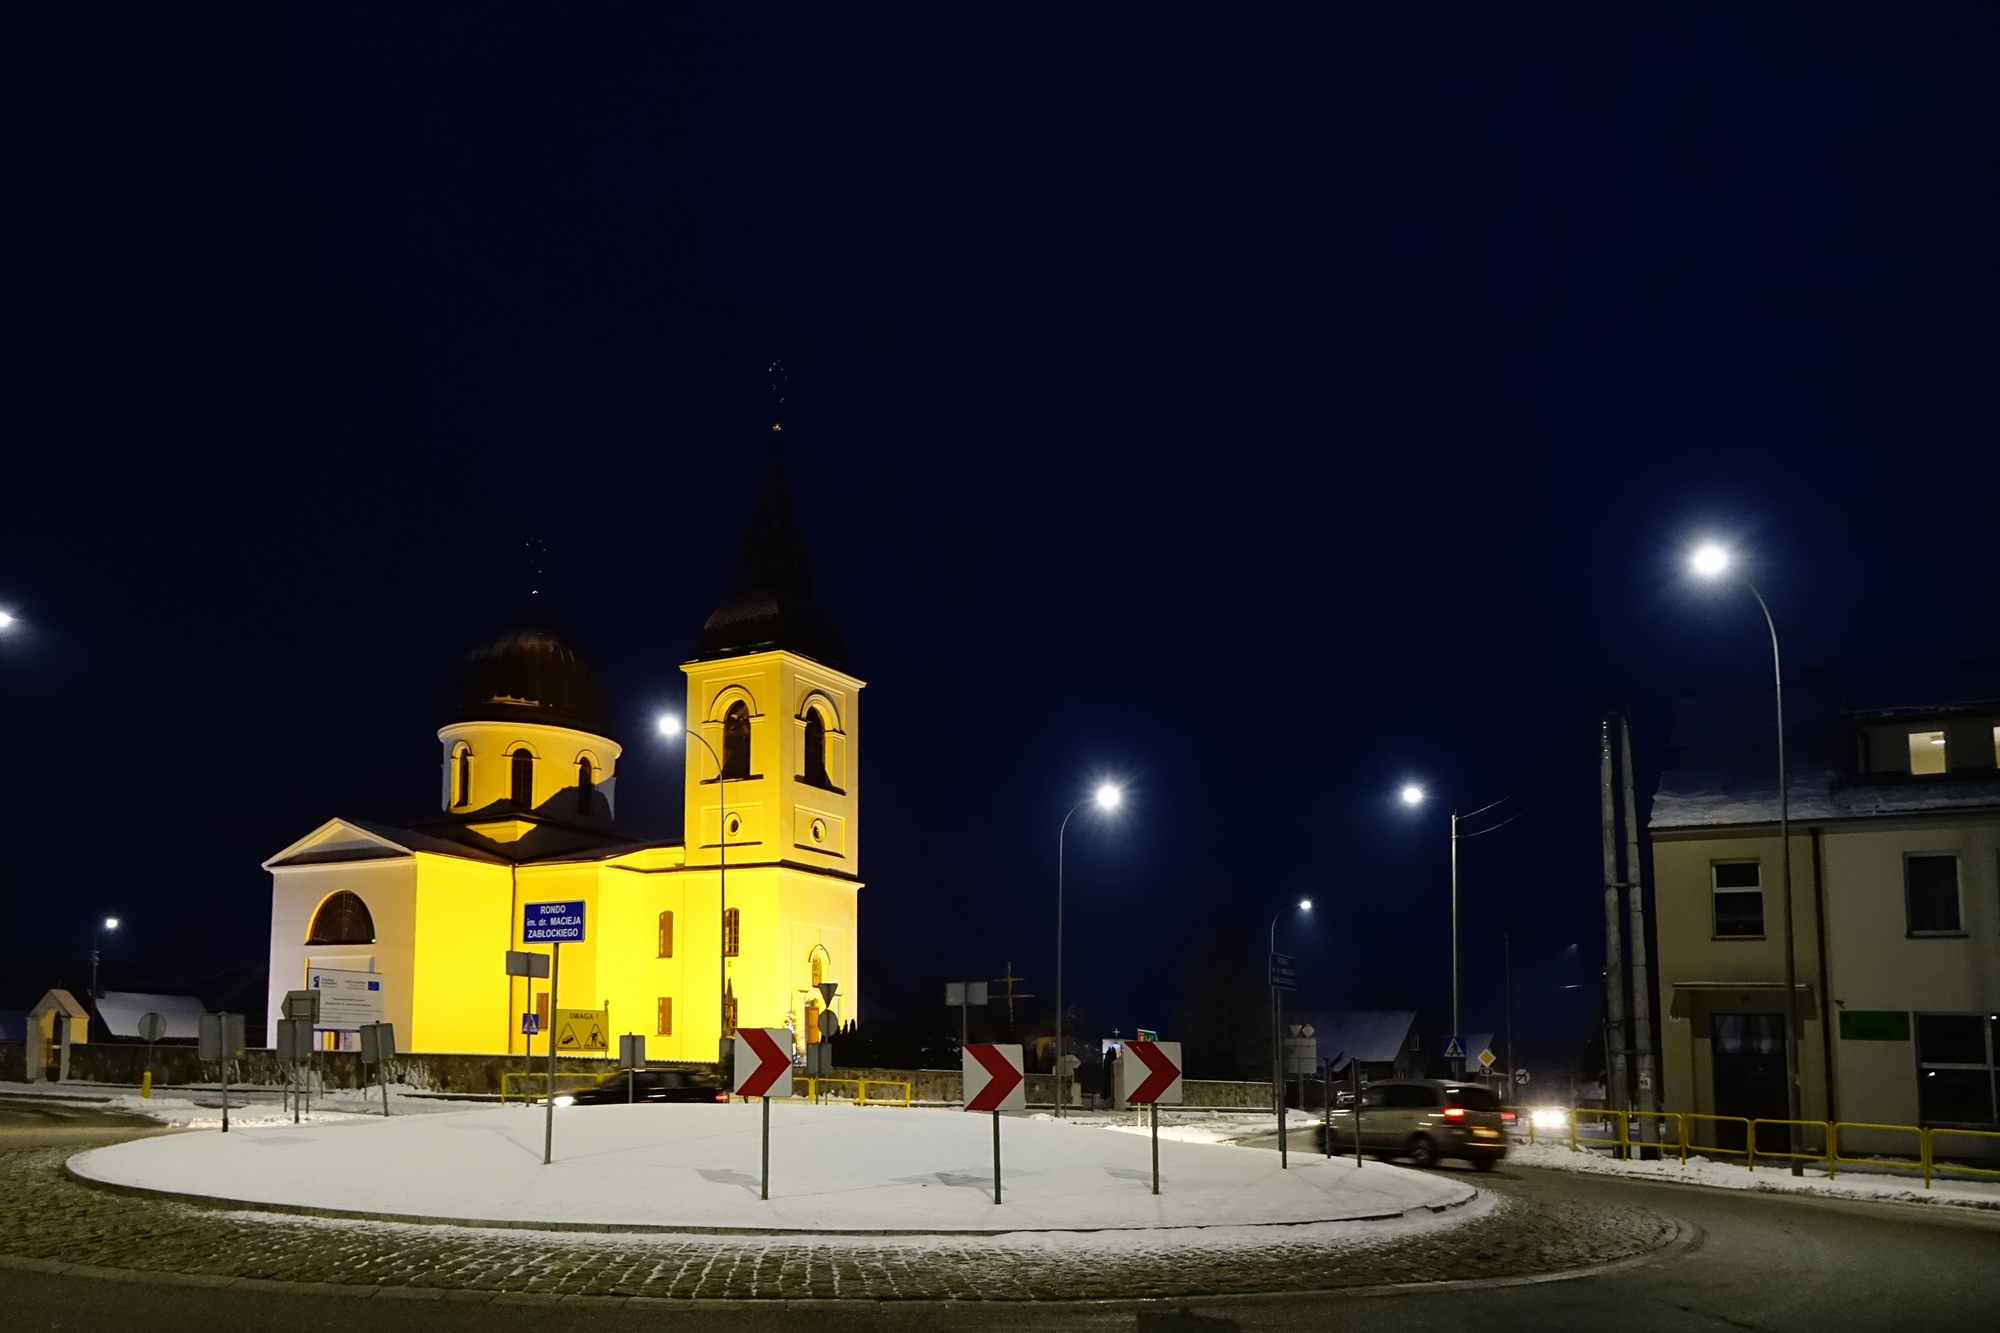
1749, 1067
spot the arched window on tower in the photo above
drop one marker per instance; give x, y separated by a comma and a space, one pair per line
342, 919
816, 774
586, 786
524, 780
736, 742
462, 777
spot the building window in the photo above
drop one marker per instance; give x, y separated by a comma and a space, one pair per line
666, 935
1739, 901
728, 1011
816, 774
524, 780
462, 794
812, 1022
1930, 894
1955, 1069
586, 786
1927, 752
736, 742
664, 1023
818, 968
342, 919
542, 1012
731, 924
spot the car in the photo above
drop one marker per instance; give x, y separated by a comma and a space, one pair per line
648, 1085
1426, 1121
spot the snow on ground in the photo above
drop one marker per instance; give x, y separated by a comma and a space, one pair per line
200, 1107
1849, 1184
833, 1169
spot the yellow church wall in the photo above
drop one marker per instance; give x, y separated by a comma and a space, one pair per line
458, 998
389, 888
556, 750
579, 986
631, 974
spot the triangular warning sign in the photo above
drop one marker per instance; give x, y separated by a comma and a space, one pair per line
567, 1037
1454, 1051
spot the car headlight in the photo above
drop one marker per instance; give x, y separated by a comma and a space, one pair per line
565, 1100
1551, 1117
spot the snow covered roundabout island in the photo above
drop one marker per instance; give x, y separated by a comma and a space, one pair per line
834, 1171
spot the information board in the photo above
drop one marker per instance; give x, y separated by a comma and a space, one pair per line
346, 999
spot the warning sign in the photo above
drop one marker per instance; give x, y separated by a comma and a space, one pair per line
578, 1030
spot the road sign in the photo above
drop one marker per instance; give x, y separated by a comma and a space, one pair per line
520, 964
378, 1043
531, 1024
1454, 1049
1521, 1076
632, 1051
221, 1041
1301, 1055
152, 1026
1283, 975
958, 993
993, 1080
302, 1004
763, 1062
552, 923
294, 1041
1147, 1034
1155, 1068
1486, 1059
581, 1029
347, 1000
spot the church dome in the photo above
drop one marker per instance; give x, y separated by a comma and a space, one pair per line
528, 674
774, 603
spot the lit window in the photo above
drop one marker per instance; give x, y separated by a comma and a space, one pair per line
664, 1026
1927, 752
586, 786
736, 742
1739, 901
729, 1012
1930, 894
464, 792
666, 934
816, 773
524, 780
731, 921
542, 1011
342, 919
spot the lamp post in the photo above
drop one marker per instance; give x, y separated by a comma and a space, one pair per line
670, 724
1414, 795
1711, 561
96, 943
1105, 798
1278, 1032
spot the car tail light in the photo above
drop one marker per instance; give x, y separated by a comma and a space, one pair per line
1454, 1112
722, 1096
1507, 1116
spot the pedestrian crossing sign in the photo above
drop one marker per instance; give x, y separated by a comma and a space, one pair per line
1454, 1049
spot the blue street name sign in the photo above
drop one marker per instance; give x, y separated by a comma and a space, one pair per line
552, 923
531, 1024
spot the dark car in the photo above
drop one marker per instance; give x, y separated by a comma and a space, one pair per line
1426, 1120
648, 1085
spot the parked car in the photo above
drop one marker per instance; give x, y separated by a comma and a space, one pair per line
1425, 1120
648, 1085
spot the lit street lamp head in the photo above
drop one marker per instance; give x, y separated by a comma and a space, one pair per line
111, 923
1412, 794
1708, 560
5, 620
1107, 796
1305, 904
670, 724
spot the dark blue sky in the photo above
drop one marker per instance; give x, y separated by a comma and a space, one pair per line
1261, 409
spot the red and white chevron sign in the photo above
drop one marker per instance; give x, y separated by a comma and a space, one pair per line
993, 1079
763, 1062
1155, 1068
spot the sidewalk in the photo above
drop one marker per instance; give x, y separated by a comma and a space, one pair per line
1852, 1182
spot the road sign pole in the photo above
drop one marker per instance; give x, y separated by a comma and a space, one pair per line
1155, 1109
764, 1189
549, 1095
996, 1156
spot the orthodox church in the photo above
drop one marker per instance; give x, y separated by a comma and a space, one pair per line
738, 923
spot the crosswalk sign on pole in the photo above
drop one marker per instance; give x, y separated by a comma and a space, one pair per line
1454, 1049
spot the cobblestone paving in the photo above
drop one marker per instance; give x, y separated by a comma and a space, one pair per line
45, 1214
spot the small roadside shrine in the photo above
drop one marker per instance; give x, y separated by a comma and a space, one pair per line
57, 1020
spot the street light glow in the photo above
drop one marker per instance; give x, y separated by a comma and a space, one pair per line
1107, 796
1708, 560
111, 923
1412, 794
5, 620
1305, 904
670, 724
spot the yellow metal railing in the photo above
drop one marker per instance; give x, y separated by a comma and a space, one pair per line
1921, 1162
814, 1083
1689, 1120
1930, 1156
511, 1083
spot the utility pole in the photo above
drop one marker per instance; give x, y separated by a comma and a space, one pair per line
1642, 994
1617, 1086
1507, 956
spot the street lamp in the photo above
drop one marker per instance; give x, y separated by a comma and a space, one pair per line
1413, 795
6, 621
1107, 797
96, 943
1278, 1031
1712, 561
670, 725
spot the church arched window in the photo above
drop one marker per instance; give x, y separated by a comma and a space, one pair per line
342, 919
736, 742
818, 967
586, 786
816, 773
462, 777
524, 780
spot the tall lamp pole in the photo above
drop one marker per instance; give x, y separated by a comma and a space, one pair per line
96, 944
1105, 798
1412, 794
1278, 1099
669, 724
1711, 561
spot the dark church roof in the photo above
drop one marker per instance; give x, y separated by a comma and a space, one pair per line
528, 674
773, 604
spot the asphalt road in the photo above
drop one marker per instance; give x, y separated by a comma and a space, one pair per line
1750, 1262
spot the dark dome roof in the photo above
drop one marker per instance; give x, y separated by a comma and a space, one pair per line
773, 604
528, 674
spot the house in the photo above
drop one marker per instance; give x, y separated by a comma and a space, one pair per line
119, 1012
1387, 1043
1895, 870
57, 1021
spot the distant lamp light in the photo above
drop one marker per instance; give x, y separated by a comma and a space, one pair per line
5, 620
1305, 904
670, 724
111, 923
1412, 794
1708, 560
1107, 796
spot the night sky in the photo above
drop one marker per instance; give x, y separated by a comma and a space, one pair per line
1261, 410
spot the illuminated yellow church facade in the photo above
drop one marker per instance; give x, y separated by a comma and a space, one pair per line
737, 924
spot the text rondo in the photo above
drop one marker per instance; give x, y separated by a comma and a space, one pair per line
552, 923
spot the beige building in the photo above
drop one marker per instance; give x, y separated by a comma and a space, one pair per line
1895, 830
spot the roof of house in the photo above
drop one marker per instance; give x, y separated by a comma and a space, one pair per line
120, 1012
547, 840
1373, 1037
